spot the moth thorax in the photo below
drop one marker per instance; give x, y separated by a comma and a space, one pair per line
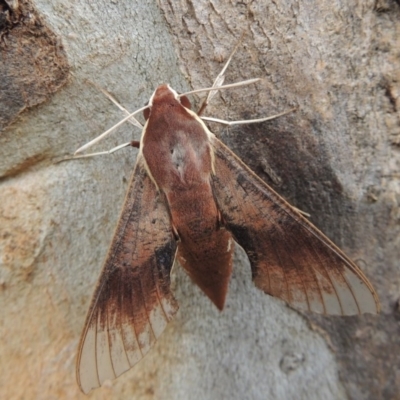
164, 94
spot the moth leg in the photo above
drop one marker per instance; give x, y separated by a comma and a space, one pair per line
220, 220
108, 131
219, 80
133, 143
223, 87
132, 120
247, 121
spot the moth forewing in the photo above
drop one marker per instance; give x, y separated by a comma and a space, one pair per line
290, 258
132, 303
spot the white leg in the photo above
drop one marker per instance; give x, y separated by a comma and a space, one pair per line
104, 134
246, 121
108, 131
132, 120
217, 85
100, 153
219, 80
230, 86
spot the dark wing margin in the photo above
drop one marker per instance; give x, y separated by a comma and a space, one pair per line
132, 303
290, 258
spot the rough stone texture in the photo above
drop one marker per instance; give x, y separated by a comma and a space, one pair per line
33, 63
337, 158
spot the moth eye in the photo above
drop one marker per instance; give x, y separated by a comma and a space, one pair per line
185, 102
146, 113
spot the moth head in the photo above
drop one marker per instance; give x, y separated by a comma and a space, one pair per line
164, 95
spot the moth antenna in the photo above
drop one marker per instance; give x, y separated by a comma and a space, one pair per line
231, 85
132, 120
247, 121
108, 131
219, 80
104, 134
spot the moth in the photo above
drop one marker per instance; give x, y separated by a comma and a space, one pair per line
191, 199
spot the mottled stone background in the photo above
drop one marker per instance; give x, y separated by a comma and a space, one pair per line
337, 157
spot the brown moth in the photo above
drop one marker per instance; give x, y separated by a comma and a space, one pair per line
190, 198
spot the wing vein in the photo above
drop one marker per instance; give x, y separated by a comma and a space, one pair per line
351, 291
158, 296
328, 275
109, 343
135, 327
314, 273
95, 350
311, 267
145, 308
285, 275
297, 273
121, 330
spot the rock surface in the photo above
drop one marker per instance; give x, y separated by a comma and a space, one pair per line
336, 158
